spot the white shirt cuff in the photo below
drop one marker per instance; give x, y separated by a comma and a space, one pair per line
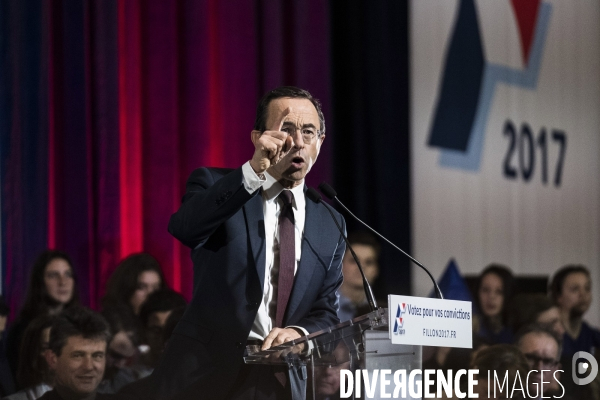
309, 343
252, 181
299, 327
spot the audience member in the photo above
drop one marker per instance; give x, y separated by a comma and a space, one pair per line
326, 373
541, 346
154, 314
70, 347
353, 301
494, 289
33, 373
133, 389
52, 288
571, 290
528, 308
7, 383
123, 356
502, 360
78, 341
135, 278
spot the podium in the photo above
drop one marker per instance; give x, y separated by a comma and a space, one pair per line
359, 344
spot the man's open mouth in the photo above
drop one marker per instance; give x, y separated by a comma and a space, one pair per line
297, 161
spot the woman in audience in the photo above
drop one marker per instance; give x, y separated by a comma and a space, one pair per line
33, 374
493, 292
135, 278
571, 290
535, 308
52, 288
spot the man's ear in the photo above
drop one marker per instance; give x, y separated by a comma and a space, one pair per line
254, 135
51, 359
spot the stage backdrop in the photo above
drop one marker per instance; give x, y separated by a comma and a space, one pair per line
505, 100
107, 106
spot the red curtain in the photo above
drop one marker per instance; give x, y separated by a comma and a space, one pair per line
130, 97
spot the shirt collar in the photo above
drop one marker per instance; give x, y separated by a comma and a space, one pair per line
272, 188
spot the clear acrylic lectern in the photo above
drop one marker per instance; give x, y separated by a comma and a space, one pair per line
362, 343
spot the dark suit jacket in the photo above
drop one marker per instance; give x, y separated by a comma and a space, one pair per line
53, 395
224, 226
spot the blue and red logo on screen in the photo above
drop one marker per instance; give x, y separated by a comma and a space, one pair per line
399, 320
469, 81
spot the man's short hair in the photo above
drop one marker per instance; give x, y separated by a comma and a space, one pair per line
539, 329
364, 238
260, 124
501, 358
160, 301
77, 321
556, 285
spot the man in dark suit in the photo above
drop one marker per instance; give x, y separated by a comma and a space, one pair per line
267, 261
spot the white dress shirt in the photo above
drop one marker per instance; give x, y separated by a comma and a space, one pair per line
265, 317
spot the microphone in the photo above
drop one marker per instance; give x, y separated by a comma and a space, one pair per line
331, 194
316, 197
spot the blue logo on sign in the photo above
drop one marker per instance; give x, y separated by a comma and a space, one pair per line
399, 320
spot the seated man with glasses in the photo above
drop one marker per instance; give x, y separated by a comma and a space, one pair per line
542, 348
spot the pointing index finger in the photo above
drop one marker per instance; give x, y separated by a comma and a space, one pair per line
282, 118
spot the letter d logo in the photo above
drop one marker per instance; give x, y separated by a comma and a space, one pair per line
582, 367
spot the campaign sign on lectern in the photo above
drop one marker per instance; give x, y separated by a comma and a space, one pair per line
430, 322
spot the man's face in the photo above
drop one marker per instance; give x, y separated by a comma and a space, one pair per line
327, 378
299, 113
541, 352
80, 366
368, 259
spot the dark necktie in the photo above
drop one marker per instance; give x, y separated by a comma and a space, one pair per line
287, 255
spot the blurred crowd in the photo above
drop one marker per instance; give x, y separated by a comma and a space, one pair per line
56, 343
58, 349
513, 332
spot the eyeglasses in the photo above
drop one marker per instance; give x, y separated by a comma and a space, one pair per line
308, 134
535, 360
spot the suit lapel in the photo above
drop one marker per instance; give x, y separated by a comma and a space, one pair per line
255, 221
310, 244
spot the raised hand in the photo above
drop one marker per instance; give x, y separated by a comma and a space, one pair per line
270, 146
